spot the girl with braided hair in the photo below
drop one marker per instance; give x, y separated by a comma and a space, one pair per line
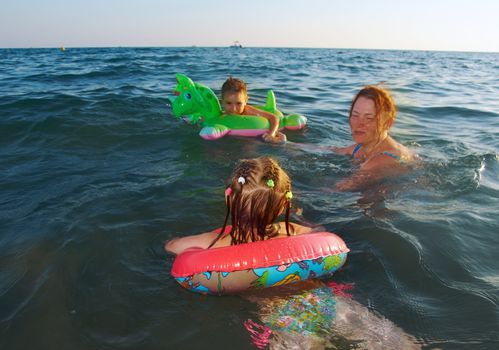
258, 192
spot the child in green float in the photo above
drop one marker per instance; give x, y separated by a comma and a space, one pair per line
235, 101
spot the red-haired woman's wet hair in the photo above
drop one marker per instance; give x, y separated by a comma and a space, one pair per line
386, 111
259, 192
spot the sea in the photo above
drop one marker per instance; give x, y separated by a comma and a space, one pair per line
97, 173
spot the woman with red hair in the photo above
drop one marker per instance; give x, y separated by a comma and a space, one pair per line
372, 114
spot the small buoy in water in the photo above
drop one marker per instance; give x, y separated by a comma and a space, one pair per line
63, 49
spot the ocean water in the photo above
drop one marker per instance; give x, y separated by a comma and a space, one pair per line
96, 174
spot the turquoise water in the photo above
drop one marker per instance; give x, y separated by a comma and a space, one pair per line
97, 174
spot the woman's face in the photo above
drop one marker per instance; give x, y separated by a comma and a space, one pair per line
363, 121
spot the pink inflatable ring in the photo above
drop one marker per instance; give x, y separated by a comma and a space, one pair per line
259, 264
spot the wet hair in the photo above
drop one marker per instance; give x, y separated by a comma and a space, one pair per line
234, 85
258, 192
386, 111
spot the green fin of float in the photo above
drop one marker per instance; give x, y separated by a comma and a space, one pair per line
271, 104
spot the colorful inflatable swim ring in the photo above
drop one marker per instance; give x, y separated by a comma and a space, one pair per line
259, 264
197, 103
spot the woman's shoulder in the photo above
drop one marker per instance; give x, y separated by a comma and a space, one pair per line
393, 155
399, 152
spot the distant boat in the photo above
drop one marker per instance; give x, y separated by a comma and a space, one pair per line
236, 45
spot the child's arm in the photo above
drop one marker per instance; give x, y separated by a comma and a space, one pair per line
300, 229
179, 244
273, 135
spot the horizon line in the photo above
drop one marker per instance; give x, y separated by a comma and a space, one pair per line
238, 48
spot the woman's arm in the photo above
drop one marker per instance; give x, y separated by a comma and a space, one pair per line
371, 171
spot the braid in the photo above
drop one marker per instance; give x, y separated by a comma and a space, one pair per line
281, 186
247, 170
224, 225
272, 171
284, 185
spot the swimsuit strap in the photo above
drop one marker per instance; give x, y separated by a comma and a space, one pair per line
386, 153
357, 147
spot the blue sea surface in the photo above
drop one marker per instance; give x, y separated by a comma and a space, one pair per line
96, 173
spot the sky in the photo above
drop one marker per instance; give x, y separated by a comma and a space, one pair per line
442, 25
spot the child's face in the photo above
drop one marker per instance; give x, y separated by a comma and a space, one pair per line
234, 102
363, 121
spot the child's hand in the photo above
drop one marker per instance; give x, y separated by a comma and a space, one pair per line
279, 137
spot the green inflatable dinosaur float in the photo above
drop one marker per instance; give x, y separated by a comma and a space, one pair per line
197, 103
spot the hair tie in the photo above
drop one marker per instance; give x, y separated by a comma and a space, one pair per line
289, 195
241, 180
228, 191
270, 183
